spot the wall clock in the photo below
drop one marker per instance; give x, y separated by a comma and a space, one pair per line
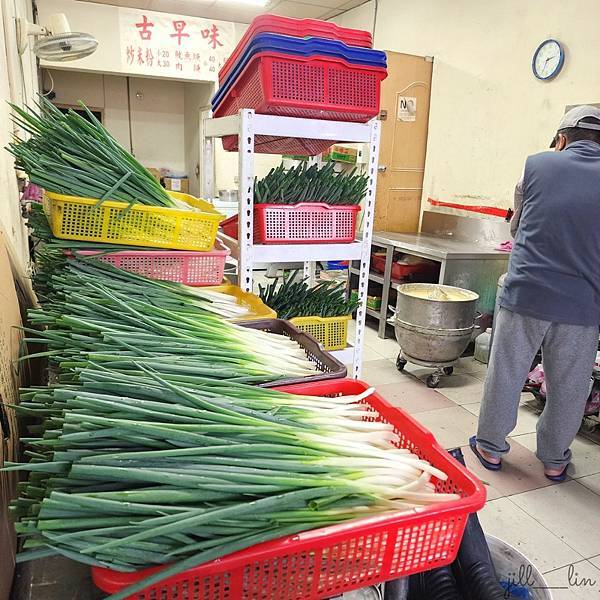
548, 60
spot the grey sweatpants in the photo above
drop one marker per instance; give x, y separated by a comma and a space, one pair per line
568, 352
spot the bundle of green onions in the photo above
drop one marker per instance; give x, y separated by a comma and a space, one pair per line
297, 299
51, 252
69, 154
310, 184
131, 470
92, 311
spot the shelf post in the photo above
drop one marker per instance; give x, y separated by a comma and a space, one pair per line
207, 145
367, 235
246, 199
385, 292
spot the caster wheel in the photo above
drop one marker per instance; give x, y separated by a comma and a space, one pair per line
400, 363
588, 425
448, 370
433, 381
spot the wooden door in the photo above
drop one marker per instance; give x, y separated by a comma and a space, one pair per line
405, 118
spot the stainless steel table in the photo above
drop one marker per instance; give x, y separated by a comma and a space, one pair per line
474, 265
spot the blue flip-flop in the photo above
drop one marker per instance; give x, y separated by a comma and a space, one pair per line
558, 478
490, 466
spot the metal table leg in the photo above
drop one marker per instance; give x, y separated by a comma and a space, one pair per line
385, 292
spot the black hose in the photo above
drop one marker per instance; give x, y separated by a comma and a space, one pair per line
438, 584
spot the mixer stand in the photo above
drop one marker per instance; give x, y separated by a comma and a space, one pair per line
433, 380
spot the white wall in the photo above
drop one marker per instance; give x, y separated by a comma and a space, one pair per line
361, 17
18, 83
488, 112
196, 101
157, 123
157, 117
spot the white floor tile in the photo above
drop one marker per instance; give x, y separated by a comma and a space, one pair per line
579, 581
595, 561
462, 388
570, 510
469, 365
503, 519
371, 353
592, 482
586, 454
452, 427
381, 372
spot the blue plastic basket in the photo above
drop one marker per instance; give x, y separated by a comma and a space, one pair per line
271, 42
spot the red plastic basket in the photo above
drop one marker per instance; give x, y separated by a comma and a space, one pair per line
316, 87
190, 268
303, 223
296, 28
328, 561
269, 144
400, 271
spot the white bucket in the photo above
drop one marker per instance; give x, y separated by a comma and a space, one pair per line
512, 565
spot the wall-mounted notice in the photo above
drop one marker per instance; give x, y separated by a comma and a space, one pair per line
407, 108
166, 45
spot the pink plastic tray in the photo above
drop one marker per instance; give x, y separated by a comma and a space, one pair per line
190, 268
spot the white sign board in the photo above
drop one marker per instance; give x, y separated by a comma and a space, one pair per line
407, 108
166, 45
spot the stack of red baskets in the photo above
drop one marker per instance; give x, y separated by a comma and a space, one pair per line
300, 68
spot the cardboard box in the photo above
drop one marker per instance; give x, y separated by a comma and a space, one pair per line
174, 184
341, 154
10, 319
155, 173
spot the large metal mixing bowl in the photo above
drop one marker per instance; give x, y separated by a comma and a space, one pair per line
433, 324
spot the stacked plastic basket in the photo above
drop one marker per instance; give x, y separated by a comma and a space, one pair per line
172, 244
300, 68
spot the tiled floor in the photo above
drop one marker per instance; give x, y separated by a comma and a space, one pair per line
555, 525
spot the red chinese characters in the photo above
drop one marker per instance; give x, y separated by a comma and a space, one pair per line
212, 35
179, 27
130, 52
145, 28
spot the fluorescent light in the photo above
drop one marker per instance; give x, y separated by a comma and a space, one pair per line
250, 2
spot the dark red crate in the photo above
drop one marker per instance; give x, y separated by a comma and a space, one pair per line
400, 271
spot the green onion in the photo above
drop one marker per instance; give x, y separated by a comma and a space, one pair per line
310, 184
297, 299
69, 154
166, 473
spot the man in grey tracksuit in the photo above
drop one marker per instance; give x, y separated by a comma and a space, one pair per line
551, 297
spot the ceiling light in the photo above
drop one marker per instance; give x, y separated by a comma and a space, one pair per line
249, 2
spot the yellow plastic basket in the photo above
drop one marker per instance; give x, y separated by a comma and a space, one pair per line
115, 222
258, 309
332, 332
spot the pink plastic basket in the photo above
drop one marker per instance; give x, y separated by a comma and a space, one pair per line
303, 223
190, 268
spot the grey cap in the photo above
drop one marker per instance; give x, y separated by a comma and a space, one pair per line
573, 118
575, 115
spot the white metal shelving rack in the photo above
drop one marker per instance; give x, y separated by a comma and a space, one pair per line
246, 125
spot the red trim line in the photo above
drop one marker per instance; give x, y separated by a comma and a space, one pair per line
484, 210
